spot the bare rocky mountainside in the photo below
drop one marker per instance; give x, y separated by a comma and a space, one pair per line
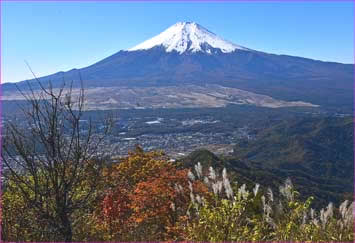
189, 66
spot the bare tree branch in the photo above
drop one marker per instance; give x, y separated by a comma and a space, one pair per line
49, 157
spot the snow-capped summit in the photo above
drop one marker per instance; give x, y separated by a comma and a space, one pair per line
188, 36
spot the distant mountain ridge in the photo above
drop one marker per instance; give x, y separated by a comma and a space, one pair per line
187, 53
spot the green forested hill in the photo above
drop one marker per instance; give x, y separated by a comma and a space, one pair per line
320, 146
316, 153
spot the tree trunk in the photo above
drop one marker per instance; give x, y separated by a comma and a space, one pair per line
67, 228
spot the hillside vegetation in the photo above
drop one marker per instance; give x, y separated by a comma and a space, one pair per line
146, 198
58, 185
316, 153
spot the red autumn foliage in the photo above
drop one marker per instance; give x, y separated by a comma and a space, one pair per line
149, 197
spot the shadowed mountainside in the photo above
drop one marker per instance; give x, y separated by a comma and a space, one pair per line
279, 76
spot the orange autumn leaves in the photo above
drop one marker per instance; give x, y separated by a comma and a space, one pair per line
147, 197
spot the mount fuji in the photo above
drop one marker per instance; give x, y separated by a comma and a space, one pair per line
188, 37
188, 66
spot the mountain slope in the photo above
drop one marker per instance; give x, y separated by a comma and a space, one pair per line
187, 53
317, 153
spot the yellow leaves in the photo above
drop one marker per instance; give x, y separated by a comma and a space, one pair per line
105, 172
138, 166
139, 219
16, 215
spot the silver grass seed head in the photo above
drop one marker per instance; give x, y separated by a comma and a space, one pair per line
198, 169
315, 222
343, 208
270, 194
191, 175
263, 200
188, 214
215, 188
180, 188
349, 219
206, 181
256, 189
224, 173
190, 186
219, 186
329, 212
172, 206
243, 192
312, 213
286, 190
212, 173
227, 188
198, 199
322, 217
176, 188
304, 218
288, 183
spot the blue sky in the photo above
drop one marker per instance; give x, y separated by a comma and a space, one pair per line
58, 36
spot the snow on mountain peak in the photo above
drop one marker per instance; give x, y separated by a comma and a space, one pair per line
188, 36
